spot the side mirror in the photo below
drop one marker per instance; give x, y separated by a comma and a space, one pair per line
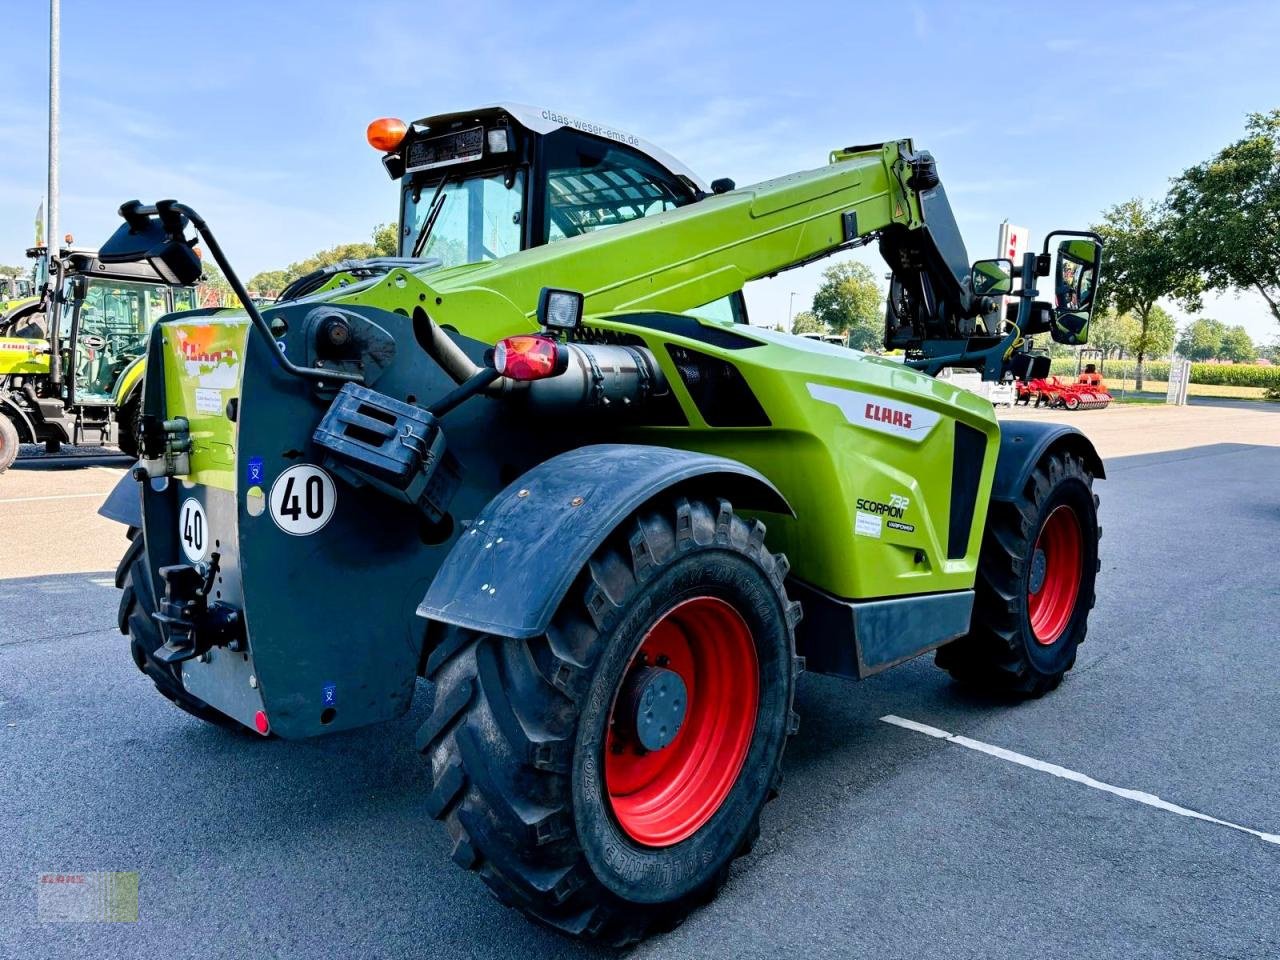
991, 278
154, 237
1075, 284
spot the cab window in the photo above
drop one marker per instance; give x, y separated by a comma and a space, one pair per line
730, 309
590, 185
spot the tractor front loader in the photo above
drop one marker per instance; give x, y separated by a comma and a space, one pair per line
541, 462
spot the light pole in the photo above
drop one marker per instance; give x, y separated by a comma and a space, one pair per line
51, 216
791, 313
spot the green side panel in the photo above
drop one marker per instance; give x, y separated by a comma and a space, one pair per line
18, 355
202, 367
873, 506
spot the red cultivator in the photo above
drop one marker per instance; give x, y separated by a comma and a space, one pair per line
1086, 393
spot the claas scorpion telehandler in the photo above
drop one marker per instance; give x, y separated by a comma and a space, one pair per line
540, 461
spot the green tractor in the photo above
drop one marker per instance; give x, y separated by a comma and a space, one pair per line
71, 360
15, 292
541, 463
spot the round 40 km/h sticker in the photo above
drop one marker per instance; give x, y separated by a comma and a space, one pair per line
193, 530
302, 500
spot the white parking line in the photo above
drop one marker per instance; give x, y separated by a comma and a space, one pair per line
60, 496
1151, 800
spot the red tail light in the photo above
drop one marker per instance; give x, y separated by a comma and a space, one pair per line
529, 357
260, 721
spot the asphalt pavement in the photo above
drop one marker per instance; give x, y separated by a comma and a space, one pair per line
885, 842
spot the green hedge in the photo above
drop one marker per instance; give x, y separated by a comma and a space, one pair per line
1209, 374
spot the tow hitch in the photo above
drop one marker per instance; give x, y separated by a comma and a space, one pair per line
190, 625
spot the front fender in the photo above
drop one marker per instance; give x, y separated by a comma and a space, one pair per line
1024, 443
129, 378
510, 572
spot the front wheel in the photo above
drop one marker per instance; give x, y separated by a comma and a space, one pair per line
602, 777
137, 604
1035, 584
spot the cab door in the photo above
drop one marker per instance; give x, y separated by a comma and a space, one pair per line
108, 331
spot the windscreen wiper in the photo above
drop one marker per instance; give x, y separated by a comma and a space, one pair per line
433, 213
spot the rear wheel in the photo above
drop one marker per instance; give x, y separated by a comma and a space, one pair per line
1035, 584
602, 777
137, 604
1072, 402
8, 443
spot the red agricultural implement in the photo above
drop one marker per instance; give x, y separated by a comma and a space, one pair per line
1088, 392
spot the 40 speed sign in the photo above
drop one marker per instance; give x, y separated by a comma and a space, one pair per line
302, 500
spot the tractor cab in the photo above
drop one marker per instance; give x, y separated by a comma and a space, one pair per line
81, 371
105, 315
14, 290
481, 184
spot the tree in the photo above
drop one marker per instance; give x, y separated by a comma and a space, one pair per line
1202, 339
806, 321
849, 300
213, 289
1228, 210
1141, 265
386, 239
1155, 338
1237, 346
1113, 332
6, 271
271, 282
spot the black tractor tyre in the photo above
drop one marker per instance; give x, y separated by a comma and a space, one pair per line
126, 418
1035, 584
137, 603
520, 732
8, 443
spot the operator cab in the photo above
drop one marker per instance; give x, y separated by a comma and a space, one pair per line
483, 184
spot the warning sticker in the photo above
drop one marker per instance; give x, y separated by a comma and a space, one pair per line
208, 400
868, 525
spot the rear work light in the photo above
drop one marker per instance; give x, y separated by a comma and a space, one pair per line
530, 357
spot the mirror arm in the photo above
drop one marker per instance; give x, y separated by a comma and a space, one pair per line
197, 221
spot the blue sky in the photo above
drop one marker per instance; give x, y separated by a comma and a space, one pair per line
254, 112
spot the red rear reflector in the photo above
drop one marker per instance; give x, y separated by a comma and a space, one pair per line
529, 357
260, 721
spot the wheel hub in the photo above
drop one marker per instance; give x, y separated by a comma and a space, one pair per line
1053, 583
682, 721
1039, 566
658, 699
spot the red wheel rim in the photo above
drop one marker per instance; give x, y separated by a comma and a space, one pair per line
665, 796
1056, 566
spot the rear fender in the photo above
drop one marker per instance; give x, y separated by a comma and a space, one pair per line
1024, 443
510, 571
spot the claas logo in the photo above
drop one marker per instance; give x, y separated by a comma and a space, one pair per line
882, 414
196, 344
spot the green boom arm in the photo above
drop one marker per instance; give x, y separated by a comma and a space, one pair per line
696, 254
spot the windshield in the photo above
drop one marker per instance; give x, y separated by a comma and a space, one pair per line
479, 219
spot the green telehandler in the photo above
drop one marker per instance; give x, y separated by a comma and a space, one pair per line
540, 462
71, 359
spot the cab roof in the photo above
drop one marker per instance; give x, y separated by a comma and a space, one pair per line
543, 120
